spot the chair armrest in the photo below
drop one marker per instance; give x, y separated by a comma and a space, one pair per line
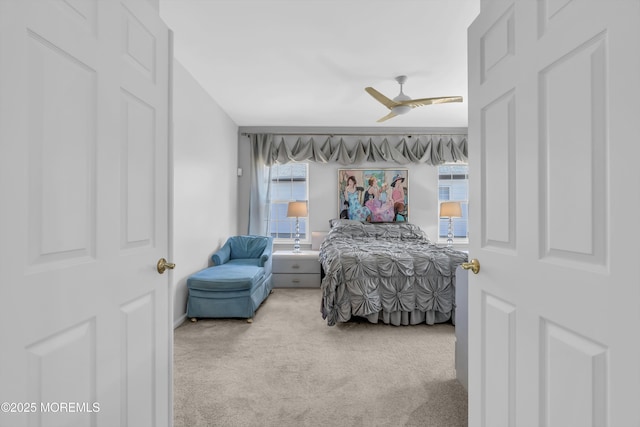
222, 255
266, 254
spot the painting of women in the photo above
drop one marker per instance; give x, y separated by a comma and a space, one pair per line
373, 195
352, 197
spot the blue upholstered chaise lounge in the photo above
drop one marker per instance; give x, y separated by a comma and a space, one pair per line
237, 283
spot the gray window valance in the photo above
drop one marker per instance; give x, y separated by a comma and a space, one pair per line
269, 149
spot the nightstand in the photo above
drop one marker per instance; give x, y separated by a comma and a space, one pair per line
296, 270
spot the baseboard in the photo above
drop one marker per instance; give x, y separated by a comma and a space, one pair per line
179, 321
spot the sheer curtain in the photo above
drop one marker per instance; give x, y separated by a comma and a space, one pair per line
266, 151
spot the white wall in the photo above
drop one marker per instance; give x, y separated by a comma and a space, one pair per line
323, 180
204, 181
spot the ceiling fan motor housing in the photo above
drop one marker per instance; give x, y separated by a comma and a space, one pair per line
401, 109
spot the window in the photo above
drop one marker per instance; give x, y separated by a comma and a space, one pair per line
288, 183
453, 184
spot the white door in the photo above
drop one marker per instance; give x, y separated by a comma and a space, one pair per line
554, 312
85, 331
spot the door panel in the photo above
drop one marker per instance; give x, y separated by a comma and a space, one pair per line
498, 179
137, 173
572, 365
84, 91
553, 180
139, 395
61, 154
498, 360
573, 120
497, 46
50, 374
139, 43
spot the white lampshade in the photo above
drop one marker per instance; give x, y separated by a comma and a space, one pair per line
450, 210
297, 209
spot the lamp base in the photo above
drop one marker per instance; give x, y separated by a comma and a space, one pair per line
450, 234
296, 242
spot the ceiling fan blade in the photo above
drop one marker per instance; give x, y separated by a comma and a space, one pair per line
389, 103
387, 117
429, 101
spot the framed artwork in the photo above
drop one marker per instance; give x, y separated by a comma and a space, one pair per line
374, 195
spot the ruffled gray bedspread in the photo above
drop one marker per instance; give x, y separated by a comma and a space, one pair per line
388, 272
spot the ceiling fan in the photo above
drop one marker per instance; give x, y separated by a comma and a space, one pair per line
402, 104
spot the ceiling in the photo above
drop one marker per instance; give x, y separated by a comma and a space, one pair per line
307, 62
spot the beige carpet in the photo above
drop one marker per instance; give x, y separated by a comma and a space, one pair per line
289, 368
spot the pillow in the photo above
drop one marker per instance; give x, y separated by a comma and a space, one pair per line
347, 230
335, 222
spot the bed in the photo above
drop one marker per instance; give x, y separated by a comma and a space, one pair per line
389, 272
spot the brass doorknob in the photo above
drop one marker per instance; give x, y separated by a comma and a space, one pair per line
163, 265
474, 266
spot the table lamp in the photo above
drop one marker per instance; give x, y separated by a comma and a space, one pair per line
450, 210
297, 209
